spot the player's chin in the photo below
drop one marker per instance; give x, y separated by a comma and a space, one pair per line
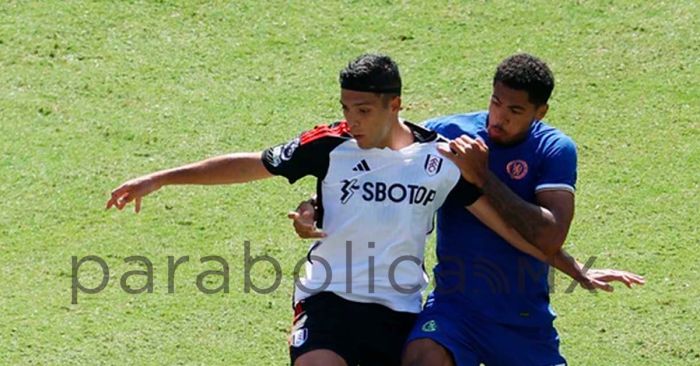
362, 142
497, 137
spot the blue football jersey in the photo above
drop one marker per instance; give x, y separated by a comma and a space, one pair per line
477, 269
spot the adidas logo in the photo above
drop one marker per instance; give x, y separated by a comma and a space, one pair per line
362, 166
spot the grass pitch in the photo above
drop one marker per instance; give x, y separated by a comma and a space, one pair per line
93, 93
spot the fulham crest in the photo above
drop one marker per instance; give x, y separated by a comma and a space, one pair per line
432, 164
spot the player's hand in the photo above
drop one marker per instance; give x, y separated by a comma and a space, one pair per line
600, 279
133, 190
471, 156
304, 221
593, 284
612, 275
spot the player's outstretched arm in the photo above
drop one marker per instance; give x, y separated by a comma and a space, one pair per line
545, 225
225, 169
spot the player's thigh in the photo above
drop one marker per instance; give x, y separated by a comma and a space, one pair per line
447, 329
320, 357
426, 352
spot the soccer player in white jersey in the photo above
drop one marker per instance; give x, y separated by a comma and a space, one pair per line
380, 180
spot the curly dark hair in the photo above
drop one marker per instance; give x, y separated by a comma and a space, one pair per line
374, 73
528, 73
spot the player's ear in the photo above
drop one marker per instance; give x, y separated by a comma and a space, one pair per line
395, 104
541, 111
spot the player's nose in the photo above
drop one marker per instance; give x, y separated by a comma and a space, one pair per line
353, 123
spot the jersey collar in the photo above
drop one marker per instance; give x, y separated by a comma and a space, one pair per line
420, 133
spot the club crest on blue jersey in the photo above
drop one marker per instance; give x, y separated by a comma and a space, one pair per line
517, 169
432, 164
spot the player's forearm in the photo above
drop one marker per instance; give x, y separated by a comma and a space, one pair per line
567, 264
225, 169
536, 224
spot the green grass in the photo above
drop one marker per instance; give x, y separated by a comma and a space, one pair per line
93, 93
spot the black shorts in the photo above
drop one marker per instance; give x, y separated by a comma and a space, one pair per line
362, 334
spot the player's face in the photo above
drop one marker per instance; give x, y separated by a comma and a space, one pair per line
369, 117
510, 114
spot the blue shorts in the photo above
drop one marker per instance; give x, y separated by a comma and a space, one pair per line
473, 340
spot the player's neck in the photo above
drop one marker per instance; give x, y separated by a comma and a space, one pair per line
399, 136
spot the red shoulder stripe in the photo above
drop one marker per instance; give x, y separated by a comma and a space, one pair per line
335, 130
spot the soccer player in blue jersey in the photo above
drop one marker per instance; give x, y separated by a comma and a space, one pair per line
527, 170
491, 301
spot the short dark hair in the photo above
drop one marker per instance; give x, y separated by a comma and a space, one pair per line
375, 73
528, 73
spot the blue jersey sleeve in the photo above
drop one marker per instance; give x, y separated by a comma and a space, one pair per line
558, 166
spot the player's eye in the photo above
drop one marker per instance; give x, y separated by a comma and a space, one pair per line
363, 110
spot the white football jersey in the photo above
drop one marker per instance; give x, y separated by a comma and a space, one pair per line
376, 207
